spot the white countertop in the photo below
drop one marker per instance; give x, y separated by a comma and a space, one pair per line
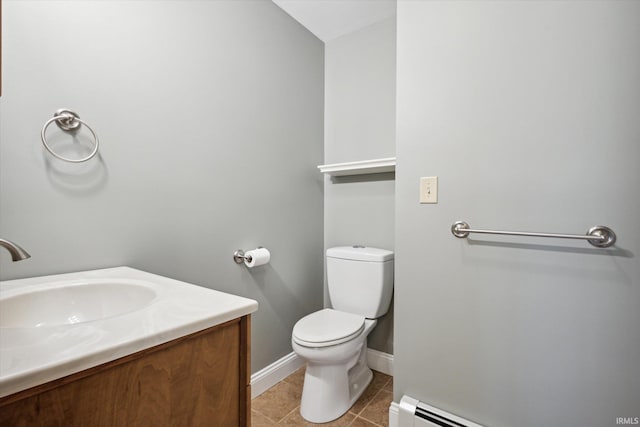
30, 356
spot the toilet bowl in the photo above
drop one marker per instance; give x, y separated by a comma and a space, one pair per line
337, 372
334, 341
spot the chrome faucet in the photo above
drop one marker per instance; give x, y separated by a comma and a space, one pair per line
17, 253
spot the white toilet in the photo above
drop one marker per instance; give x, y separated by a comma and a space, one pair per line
334, 341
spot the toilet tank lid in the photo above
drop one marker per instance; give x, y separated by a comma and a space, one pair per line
360, 253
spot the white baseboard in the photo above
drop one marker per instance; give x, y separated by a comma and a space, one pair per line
394, 415
266, 378
271, 375
379, 361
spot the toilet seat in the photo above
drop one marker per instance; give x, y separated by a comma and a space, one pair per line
327, 327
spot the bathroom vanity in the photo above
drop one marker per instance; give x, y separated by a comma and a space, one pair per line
177, 356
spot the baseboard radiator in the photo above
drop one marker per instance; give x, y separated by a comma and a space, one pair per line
413, 413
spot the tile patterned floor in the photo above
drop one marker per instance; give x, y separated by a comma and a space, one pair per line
280, 405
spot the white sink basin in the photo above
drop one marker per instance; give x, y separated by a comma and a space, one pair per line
69, 304
58, 325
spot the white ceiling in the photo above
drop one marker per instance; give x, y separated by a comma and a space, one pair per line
329, 19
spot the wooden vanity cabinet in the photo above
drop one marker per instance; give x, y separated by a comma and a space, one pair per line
198, 380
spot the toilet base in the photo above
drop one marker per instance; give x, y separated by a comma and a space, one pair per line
329, 391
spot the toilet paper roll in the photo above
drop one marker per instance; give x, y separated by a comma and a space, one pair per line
257, 257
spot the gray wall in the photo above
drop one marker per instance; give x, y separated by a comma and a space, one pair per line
210, 116
360, 125
528, 113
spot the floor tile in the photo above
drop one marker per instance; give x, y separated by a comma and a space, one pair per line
295, 419
259, 420
377, 410
361, 422
280, 405
278, 401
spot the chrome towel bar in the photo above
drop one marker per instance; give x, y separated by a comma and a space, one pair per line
599, 236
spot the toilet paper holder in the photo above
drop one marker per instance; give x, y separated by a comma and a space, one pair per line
239, 257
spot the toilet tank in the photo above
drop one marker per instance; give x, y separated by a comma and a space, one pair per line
360, 279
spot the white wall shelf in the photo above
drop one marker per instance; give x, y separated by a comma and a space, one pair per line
361, 167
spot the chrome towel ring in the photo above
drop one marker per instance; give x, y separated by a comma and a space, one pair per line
68, 121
